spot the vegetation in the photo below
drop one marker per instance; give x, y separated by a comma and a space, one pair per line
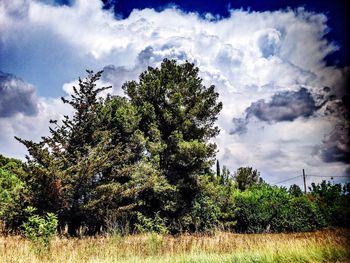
319, 246
143, 163
12, 194
40, 230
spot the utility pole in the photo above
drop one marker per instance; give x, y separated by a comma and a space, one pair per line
304, 177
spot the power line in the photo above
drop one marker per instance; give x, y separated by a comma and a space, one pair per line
310, 175
328, 176
286, 180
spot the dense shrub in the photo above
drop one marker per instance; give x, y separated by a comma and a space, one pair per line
153, 225
298, 214
333, 202
12, 192
266, 208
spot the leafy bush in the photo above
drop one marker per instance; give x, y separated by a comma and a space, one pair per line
267, 208
40, 229
246, 177
298, 214
11, 188
333, 202
213, 207
154, 225
205, 213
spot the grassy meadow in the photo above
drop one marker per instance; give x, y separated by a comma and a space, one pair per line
322, 246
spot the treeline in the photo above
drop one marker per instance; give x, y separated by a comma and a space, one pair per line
144, 162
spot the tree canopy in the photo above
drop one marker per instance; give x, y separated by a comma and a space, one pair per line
178, 115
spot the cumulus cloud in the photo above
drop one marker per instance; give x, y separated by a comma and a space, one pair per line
258, 62
16, 96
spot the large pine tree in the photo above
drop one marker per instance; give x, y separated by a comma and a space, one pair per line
178, 115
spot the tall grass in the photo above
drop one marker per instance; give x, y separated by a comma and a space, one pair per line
321, 246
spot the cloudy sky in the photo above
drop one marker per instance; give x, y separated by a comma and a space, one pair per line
280, 70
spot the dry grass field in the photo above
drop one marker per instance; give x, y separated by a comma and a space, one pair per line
321, 246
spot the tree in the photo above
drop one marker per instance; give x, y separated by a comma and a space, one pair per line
12, 193
90, 164
178, 117
246, 177
218, 169
295, 190
333, 202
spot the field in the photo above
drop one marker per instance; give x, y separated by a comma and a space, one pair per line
321, 246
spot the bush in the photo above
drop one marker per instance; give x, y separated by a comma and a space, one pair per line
298, 214
272, 209
153, 225
333, 202
213, 207
40, 230
10, 205
205, 213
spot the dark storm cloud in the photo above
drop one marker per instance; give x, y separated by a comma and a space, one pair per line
336, 145
284, 106
16, 96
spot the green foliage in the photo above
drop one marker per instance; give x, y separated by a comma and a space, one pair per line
85, 167
213, 208
178, 117
295, 190
143, 163
146, 224
299, 214
265, 208
246, 177
12, 192
9, 164
40, 229
205, 213
333, 202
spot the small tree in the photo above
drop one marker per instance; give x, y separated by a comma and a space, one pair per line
12, 194
40, 229
333, 202
246, 177
295, 190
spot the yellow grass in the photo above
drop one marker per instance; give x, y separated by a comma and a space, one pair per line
321, 246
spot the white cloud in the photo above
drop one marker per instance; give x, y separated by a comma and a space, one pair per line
29, 127
248, 56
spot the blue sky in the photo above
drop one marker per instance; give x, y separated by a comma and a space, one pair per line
280, 68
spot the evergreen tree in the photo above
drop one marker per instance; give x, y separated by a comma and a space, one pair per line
218, 169
246, 177
295, 190
12, 194
86, 170
178, 117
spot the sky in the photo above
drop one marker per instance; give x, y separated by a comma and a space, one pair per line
280, 67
